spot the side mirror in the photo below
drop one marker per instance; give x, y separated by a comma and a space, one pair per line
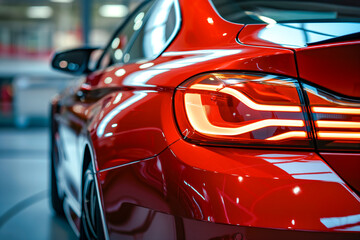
75, 61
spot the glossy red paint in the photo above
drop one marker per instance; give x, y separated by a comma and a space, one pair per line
213, 33
233, 186
86, 109
346, 165
317, 64
149, 177
250, 36
320, 65
156, 85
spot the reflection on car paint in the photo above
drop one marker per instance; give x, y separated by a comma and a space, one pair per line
130, 101
342, 222
141, 78
299, 168
301, 34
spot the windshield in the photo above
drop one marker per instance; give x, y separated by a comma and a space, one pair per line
255, 12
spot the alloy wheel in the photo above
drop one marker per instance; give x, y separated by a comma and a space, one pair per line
90, 216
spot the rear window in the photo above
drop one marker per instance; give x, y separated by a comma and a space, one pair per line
255, 12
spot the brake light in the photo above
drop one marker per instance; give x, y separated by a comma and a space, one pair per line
337, 120
241, 108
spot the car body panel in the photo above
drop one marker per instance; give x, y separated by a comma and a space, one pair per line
347, 165
156, 84
84, 108
318, 64
238, 187
325, 66
298, 34
149, 178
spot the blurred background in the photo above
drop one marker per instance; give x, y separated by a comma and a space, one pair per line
30, 32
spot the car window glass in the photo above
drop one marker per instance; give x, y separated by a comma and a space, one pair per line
156, 32
255, 12
115, 51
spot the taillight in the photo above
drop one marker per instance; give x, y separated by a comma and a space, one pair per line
336, 120
242, 108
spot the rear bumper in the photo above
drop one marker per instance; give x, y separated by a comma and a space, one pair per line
145, 223
216, 193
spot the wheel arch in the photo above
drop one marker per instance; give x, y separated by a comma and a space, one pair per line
89, 157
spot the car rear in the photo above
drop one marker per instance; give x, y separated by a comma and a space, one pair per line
261, 135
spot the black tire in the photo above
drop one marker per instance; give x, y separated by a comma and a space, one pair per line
91, 227
56, 200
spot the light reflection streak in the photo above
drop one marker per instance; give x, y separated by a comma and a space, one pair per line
210, 20
295, 32
117, 98
197, 204
109, 134
303, 169
115, 43
105, 121
199, 56
108, 80
334, 222
196, 191
155, 29
139, 17
296, 190
141, 78
146, 65
223, 205
239, 205
120, 72
118, 54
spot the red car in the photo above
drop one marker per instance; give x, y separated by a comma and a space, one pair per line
214, 120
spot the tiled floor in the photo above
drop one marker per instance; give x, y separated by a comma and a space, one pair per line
24, 190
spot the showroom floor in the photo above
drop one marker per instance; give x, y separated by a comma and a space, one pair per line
24, 202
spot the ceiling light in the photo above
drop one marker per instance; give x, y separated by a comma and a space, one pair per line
115, 11
62, 1
39, 12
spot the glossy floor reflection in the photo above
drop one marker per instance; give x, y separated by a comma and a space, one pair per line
24, 197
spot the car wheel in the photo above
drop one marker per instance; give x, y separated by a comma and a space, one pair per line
91, 225
56, 200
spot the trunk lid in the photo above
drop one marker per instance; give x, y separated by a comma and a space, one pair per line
327, 53
327, 57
